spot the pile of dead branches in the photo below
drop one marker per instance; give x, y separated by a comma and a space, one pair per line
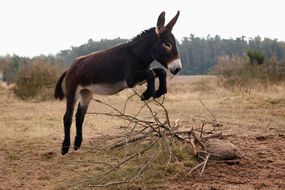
154, 136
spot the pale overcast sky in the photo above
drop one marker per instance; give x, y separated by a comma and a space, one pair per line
33, 27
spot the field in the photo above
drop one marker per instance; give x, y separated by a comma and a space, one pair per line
32, 132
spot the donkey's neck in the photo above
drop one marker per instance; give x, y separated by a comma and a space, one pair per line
141, 46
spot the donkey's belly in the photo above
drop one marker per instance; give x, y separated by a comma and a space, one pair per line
106, 89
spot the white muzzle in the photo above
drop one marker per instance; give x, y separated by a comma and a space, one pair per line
175, 66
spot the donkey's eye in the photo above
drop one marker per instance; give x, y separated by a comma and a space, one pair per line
167, 45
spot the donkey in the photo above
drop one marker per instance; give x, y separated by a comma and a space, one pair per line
109, 71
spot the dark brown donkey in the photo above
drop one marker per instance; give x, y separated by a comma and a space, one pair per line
112, 70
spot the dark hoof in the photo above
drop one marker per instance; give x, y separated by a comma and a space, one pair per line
64, 150
77, 143
65, 147
159, 93
146, 96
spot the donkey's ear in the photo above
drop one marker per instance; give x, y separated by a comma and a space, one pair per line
170, 25
160, 22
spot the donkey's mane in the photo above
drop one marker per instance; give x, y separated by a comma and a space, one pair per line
143, 34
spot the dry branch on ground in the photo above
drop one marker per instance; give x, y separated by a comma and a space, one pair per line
157, 135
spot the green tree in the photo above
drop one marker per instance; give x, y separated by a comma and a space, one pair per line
255, 57
14, 64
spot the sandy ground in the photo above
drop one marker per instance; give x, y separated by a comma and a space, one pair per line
31, 136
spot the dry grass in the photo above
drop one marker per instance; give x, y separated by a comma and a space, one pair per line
31, 133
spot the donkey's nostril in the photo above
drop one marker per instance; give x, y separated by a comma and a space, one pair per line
175, 71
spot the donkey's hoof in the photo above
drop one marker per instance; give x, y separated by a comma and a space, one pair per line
77, 143
64, 150
65, 146
145, 96
159, 93
76, 147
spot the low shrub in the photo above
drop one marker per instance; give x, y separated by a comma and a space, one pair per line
239, 73
36, 80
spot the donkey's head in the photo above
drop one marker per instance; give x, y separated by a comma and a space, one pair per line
164, 49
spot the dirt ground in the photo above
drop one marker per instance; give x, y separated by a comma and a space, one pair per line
31, 136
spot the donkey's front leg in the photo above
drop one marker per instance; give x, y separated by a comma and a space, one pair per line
162, 89
150, 90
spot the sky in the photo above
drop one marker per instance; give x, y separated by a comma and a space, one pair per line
34, 27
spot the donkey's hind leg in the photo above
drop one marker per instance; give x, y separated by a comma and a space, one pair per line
67, 120
85, 98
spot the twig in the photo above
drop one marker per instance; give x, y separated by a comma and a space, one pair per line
193, 146
205, 121
126, 102
165, 112
136, 115
148, 134
215, 119
176, 124
205, 163
170, 155
110, 106
129, 118
130, 140
202, 128
197, 139
215, 135
150, 110
196, 167
156, 118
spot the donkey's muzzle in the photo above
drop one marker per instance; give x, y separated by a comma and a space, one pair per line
175, 71
175, 66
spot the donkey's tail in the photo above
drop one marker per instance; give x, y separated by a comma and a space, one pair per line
58, 92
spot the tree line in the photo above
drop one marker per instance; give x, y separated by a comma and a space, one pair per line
11, 64
198, 54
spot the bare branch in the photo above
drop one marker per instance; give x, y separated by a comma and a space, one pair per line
193, 147
205, 163
197, 139
165, 112
126, 102
215, 119
110, 106
130, 140
215, 135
